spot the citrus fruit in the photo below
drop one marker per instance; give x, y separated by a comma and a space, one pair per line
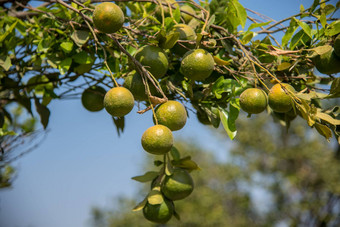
159, 213
153, 59
179, 185
279, 99
337, 46
327, 63
197, 64
158, 11
92, 98
185, 33
108, 17
186, 17
134, 83
118, 101
157, 140
172, 114
253, 100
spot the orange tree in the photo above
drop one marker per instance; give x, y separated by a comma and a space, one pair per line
200, 53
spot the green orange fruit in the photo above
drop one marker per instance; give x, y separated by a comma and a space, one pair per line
327, 63
179, 185
279, 98
185, 33
253, 100
118, 101
159, 213
186, 17
336, 46
197, 64
172, 114
92, 98
157, 140
153, 59
108, 17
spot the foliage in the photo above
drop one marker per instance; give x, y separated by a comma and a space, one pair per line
269, 178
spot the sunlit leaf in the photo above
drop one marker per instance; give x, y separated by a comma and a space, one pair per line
148, 176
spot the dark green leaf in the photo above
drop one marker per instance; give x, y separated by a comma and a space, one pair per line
66, 46
169, 41
175, 153
80, 37
44, 113
148, 176
335, 87
324, 131
283, 66
8, 31
119, 123
289, 33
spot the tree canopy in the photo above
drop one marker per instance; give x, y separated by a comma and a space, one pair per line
203, 54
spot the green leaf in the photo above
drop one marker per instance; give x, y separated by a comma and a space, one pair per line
327, 118
80, 37
283, 66
333, 28
169, 41
175, 153
323, 20
247, 37
6, 133
220, 61
324, 131
119, 123
5, 62
335, 87
43, 111
140, 205
241, 12
320, 50
83, 58
289, 33
256, 25
44, 45
211, 21
148, 176
299, 38
315, 4
66, 46
8, 31
186, 163
228, 120
65, 65
168, 169
305, 27
176, 14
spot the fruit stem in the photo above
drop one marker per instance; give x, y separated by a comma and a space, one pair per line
113, 78
162, 12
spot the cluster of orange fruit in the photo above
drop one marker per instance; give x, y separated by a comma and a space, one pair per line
168, 117
280, 99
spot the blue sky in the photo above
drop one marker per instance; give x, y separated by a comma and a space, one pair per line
83, 163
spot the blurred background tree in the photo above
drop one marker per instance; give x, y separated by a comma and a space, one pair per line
269, 178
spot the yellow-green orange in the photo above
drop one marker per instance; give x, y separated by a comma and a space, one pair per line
157, 140
134, 83
159, 213
153, 59
172, 114
337, 46
186, 17
108, 17
253, 100
327, 63
118, 101
185, 33
179, 185
92, 98
279, 98
197, 64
